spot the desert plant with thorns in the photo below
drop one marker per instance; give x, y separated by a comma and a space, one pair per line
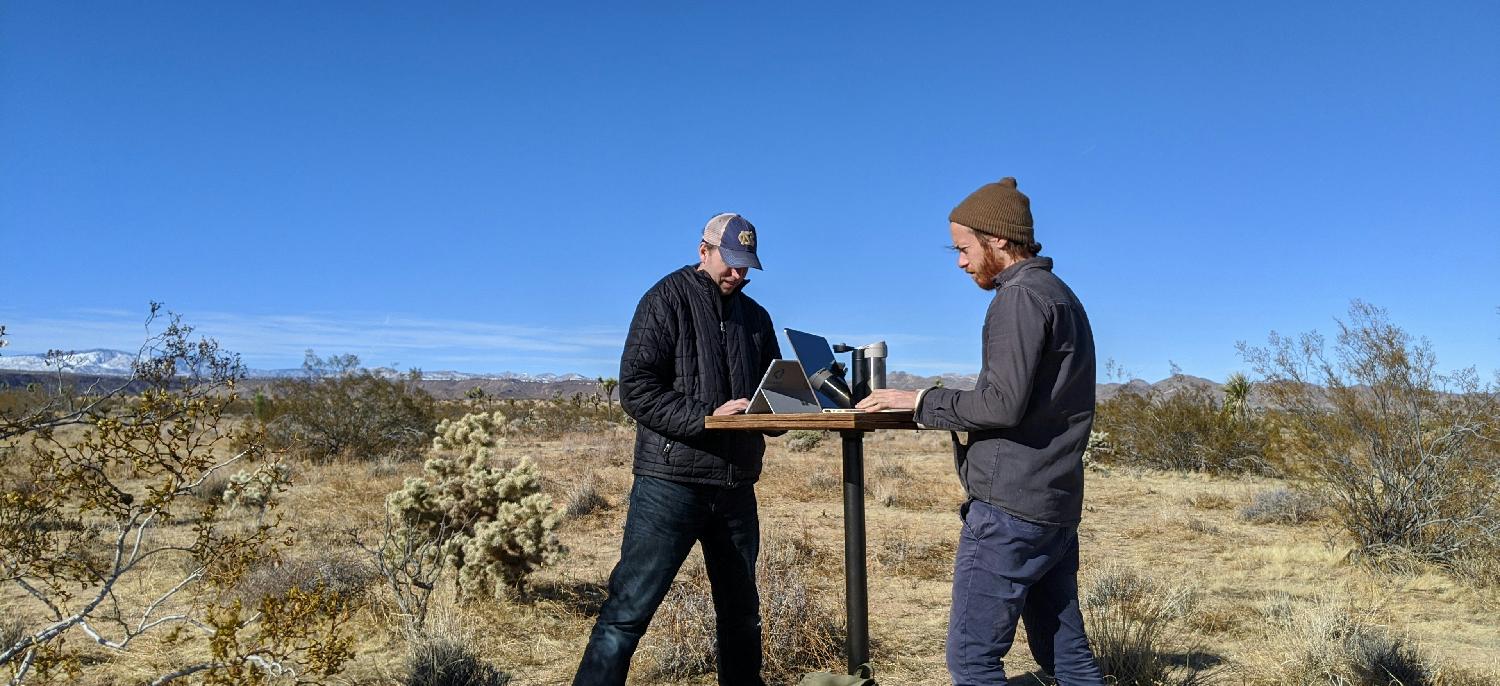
492, 524
1261, 550
98, 576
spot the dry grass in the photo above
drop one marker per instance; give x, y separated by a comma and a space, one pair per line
1186, 528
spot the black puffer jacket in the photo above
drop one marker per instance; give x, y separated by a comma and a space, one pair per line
689, 351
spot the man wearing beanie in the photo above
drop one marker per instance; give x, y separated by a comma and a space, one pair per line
1020, 456
697, 346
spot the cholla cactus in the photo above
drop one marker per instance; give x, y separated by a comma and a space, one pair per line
493, 525
502, 552
1099, 446
255, 489
473, 435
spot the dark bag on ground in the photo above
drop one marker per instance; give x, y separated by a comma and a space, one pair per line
861, 677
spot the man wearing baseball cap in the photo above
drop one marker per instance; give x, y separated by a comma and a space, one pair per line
697, 346
1020, 458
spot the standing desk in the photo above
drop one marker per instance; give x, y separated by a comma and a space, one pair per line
852, 426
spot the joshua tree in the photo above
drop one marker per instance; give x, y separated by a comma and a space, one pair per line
609, 384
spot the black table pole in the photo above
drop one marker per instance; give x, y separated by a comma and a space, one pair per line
856, 592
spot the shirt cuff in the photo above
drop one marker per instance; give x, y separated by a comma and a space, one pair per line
917, 406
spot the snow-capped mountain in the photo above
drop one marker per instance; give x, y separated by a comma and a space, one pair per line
118, 363
99, 362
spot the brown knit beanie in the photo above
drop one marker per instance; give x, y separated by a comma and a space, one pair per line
999, 210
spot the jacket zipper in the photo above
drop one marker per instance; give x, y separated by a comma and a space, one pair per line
724, 348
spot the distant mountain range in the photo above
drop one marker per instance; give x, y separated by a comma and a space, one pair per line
101, 362
22, 369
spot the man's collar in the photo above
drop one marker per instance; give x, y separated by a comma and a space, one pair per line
703, 277
1010, 273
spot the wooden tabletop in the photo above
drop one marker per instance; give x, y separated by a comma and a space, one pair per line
827, 421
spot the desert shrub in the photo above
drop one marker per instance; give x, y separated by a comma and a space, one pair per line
20, 401
1477, 568
1210, 501
1328, 642
491, 524
11, 631
1189, 430
1408, 459
83, 544
550, 419
1129, 617
336, 409
681, 642
448, 662
585, 498
824, 480
1283, 506
898, 494
341, 576
800, 628
886, 468
804, 440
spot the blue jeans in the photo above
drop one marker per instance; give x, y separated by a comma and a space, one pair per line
1009, 569
664, 520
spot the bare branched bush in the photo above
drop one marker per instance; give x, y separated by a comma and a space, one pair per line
1409, 459
1189, 430
84, 546
336, 409
446, 661
1283, 506
1330, 642
1129, 617
804, 440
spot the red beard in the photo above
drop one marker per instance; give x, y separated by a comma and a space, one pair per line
986, 267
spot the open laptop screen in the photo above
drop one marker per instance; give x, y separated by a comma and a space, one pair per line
815, 354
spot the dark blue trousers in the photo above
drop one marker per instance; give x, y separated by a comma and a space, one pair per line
1009, 569
664, 520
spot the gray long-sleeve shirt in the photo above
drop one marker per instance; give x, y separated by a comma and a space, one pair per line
1030, 414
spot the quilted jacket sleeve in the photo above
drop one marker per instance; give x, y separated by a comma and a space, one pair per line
647, 369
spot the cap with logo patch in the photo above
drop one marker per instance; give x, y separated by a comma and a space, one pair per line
734, 236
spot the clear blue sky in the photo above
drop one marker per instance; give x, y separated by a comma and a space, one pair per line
491, 186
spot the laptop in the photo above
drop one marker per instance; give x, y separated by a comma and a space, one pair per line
784, 390
815, 354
